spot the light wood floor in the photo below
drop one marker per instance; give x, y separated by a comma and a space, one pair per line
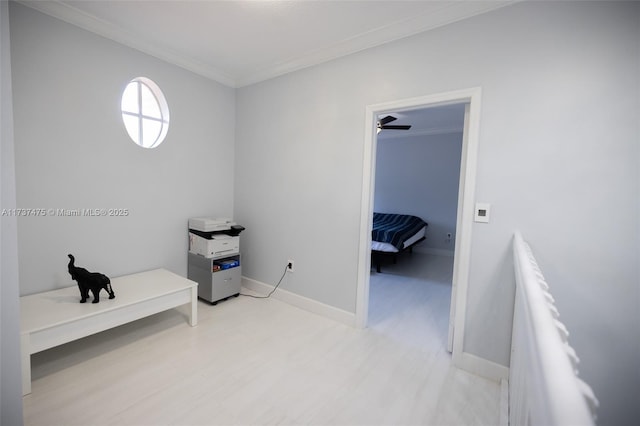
252, 361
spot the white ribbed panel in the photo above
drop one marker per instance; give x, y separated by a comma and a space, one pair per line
544, 388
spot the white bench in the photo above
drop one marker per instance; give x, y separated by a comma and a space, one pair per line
56, 317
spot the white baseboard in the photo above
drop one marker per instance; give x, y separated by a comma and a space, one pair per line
331, 312
434, 251
482, 367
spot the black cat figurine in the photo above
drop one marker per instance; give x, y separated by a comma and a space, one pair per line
94, 281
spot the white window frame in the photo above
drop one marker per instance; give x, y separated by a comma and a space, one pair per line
138, 114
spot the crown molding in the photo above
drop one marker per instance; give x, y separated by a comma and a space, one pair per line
450, 12
86, 21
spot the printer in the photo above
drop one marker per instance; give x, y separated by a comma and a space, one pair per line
214, 237
209, 224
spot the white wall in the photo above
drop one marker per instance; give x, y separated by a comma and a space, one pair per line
558, 159
419, 175
72, 152
10, 377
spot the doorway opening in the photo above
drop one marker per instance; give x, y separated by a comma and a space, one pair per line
417, 176
464, 217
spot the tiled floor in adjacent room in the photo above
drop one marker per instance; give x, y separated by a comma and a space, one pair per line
252, 361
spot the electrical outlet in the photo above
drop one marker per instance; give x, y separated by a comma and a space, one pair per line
289, 265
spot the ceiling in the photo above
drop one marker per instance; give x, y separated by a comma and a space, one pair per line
426, 121
238, 43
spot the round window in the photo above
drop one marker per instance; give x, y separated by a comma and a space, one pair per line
145, 112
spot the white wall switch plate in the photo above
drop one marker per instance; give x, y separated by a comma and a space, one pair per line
482, 212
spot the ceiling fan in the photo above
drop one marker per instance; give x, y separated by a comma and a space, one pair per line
383, 124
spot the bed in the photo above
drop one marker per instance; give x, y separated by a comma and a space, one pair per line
393, 234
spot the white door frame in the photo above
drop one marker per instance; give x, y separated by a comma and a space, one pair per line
466, 196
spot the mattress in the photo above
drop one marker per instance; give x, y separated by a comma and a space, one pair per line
390, 248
